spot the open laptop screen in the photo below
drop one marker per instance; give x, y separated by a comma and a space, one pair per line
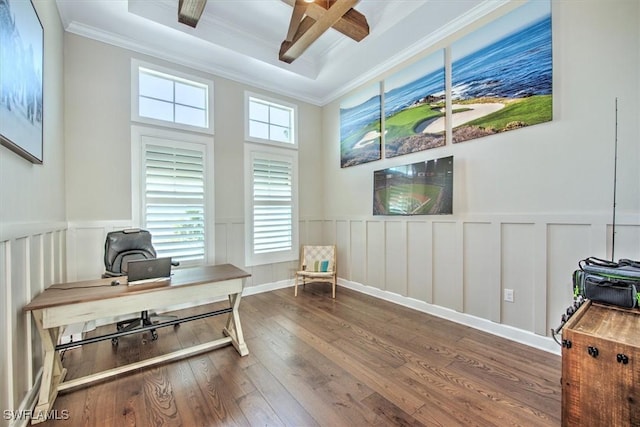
144, 270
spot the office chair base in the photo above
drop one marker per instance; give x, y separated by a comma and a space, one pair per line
143, 321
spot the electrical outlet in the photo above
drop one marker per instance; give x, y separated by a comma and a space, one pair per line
508, 295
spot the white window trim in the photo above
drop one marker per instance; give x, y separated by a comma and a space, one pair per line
252, 259
135, 116
137, 133
294, 107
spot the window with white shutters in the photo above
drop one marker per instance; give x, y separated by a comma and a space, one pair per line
174, 200
271, 180
272, 232
272, 204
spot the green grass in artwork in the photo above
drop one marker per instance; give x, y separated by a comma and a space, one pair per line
410, 198
405, 122
529, 111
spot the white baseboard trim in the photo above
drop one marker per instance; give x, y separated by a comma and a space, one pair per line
266, 287
28, 404
505, 331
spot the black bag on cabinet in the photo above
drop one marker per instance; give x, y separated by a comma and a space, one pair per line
615, 283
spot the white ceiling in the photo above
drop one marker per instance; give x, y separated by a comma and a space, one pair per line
240, 39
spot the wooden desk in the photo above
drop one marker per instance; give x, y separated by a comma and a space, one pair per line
67, 303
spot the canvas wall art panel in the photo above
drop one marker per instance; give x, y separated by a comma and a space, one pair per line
502, 74
21, 65
414, 107
422, 188
360, 127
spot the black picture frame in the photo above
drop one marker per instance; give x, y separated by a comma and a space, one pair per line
21, 79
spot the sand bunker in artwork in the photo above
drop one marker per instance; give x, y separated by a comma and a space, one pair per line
474, 111
368, 138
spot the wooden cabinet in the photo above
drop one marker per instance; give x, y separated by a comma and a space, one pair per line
601, 367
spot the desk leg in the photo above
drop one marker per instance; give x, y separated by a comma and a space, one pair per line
233, 328
52, 371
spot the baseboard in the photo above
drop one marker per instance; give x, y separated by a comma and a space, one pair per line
505, 331
28, 404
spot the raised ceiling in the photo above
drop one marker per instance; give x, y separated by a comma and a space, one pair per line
240, 39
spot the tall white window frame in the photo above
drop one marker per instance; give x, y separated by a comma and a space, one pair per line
269, 205
141, 136
274, 156
273, 118
173, 100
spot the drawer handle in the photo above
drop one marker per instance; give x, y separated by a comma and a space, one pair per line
593, 351
622, 358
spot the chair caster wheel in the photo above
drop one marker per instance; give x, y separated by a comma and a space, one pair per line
154, 335
114, 341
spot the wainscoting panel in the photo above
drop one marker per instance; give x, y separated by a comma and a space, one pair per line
375, 255
222, 243
419, 261
518, 274
566, 245
481, 278
396, 257
20, 296
356, 269
6, 307
342, 247
447, 263
32, 257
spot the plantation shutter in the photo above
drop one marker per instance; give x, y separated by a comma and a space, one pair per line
272, 203
174, 206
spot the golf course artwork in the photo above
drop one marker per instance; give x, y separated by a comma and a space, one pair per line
360, 124
414, 107
423, 188
501, 74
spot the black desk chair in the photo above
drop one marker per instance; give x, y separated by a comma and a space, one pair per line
123, 246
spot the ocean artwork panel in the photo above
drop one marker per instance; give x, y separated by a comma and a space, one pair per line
360, 127
501, 76
414, 107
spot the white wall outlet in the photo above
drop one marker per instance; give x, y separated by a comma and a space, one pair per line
508, 295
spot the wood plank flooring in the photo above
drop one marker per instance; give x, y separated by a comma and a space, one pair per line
315, 361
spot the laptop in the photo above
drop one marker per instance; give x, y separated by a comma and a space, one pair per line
148, 270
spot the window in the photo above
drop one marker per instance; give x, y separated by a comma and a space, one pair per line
269, 121
271, 203
168, 98
271, 181
175, 197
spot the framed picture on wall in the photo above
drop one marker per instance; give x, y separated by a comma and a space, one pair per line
21, 70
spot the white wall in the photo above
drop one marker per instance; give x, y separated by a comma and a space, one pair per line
97, 105
528, 204
32, 225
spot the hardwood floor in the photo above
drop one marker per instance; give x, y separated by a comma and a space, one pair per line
315, 361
